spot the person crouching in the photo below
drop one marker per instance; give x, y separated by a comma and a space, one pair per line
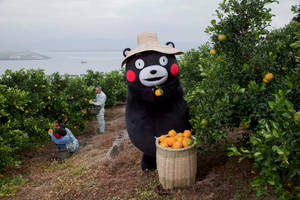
65, 141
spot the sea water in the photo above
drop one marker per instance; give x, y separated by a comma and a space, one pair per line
68, 62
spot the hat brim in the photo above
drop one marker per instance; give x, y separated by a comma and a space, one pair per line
158, 48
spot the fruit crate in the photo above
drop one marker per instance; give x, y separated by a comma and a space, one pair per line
176, 167
93, 109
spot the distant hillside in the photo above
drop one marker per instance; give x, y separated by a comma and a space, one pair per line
21, 55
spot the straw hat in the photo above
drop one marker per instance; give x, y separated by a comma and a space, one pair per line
147, 41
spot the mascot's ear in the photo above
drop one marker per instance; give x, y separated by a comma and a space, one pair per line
170, 44
126, 52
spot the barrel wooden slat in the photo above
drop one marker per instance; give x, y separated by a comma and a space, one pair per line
176, 167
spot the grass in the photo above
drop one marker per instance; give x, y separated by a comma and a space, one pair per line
77, 171
9, 185
89, 183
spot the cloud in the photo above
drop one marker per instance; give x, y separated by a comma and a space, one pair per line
85, 23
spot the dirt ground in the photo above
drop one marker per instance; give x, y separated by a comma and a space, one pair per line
88, 174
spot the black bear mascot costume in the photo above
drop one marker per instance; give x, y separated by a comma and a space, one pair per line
155, 101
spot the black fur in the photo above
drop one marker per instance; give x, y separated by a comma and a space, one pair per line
149, 116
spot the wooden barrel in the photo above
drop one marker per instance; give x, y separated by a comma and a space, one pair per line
176, 167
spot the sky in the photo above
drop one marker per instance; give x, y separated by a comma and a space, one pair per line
111, 24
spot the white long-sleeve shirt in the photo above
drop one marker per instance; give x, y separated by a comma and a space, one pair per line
100, 100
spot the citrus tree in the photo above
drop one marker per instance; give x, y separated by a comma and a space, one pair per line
241, 80
30, 103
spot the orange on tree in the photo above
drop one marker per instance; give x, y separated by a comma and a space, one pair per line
222, 37
297, 116
213, 52
49, 97
203, 122
90, 101
172, 133
51, 130
35, 85
266, 81
269, 76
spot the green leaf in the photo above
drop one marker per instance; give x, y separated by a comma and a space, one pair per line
256, 154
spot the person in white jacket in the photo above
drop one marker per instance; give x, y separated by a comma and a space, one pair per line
100, 101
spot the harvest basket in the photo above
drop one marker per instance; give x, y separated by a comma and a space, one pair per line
176, 167
93, 109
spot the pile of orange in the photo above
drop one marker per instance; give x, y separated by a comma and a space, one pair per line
176, 140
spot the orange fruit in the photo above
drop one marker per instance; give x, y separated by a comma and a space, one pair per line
90, 101
213, 52
186, 142
51, 130
266, 81
172, 133
222, 37
204, 122
180, 134
269, 76
179, 138
158, 92
35, 85
26, 111
164, 144
177, 145
170, 141
49, 97
187, 133
297, 116
162, 138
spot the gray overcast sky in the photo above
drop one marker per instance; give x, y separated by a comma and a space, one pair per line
110, 24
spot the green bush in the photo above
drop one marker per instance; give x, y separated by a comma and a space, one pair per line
229, 90
30, 103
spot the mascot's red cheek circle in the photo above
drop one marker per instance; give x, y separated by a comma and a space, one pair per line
130, 75
174, 69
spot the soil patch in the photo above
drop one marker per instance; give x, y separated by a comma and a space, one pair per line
90, 175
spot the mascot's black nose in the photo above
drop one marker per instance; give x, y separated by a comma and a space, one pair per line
153, 71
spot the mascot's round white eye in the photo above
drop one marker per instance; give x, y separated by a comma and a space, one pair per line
163, 60
139, 63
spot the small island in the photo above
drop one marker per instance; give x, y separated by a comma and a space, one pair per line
21, 55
